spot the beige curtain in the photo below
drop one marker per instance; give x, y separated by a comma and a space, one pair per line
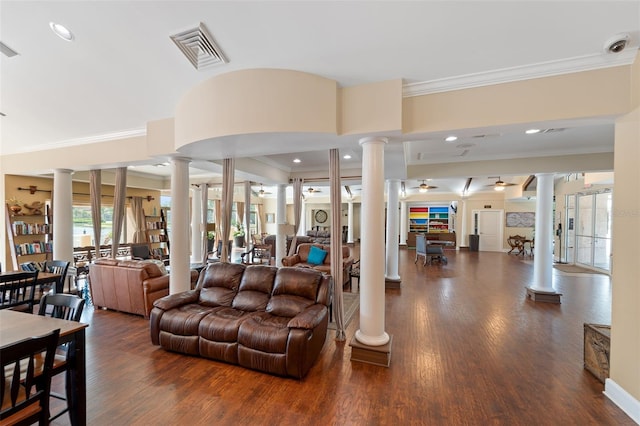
240, 213
297, 213
95, 193
247, 217
227, 200
205, 200
119, 198
336, 241
217, 211
261, 219
139, 223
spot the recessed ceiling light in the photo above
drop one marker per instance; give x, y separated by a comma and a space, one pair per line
297, 160
451, 138
532, 131
347, 157
61, 31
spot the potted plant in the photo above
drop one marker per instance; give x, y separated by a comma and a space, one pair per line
210, 241
238, 234
15, 206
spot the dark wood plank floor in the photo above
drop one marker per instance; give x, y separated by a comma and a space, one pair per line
468, 349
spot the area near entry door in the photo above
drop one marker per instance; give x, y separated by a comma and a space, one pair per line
489, 225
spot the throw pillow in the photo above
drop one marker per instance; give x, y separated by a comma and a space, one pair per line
160, 263
316, 256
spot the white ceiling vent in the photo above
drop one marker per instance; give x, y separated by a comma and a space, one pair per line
198, 46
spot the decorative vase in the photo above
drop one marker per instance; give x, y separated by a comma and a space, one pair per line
15, 209
239, 240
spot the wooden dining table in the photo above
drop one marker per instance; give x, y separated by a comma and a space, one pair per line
17, 326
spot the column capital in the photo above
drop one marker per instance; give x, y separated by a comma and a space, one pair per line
373, 140
69, 171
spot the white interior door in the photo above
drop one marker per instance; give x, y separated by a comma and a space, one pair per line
490, 225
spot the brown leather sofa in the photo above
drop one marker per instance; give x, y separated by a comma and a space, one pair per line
128, 285
260, 317
300, 260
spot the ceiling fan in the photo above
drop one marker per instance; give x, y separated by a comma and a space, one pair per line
500, 185
262, 192
311, 190
423, 187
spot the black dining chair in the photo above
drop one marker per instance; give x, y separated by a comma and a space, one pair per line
18, 290
58, 267
68, 307
26, 380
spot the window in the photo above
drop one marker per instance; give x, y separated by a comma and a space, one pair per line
83, 226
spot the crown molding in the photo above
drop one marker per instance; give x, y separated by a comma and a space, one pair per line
84, 141
528, 72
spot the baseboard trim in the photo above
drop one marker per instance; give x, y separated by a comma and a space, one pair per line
622, 399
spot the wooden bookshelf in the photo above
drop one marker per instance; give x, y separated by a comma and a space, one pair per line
157, 235
30, 236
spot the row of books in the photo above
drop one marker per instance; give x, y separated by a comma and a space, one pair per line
35, 247
157, 238
32, 266
155, 225
22, 228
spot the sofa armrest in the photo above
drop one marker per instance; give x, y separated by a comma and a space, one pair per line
194, 278
151, 285
310, 318
291, 260
174, 300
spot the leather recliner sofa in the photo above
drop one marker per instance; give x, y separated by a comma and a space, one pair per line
260, 317
300, 260
128, 285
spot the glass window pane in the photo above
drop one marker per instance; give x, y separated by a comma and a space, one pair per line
585, 215
603, 215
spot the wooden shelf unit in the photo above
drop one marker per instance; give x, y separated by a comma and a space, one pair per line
429, 219
157, 235
30, 237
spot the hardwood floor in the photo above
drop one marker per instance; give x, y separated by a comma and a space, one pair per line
468, 349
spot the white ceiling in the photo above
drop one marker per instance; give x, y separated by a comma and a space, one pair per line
123, 70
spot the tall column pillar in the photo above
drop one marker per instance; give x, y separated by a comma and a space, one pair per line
393, 188
196, 225
62, 215
281, 220
179, 279
462, 236
302, 230
542, 287
371, 343
350, 222
403, 223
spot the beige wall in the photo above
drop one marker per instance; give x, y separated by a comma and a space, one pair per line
80, 196
625, 320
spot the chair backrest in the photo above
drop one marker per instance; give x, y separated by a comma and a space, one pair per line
18, 289
63, 306
21, 369
140, 251
58, 267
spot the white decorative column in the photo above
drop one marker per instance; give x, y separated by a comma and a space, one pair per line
462, 236
302, 230
62, 215
350, 222
404, 220
371, 343
281, 220
196, 225
393, 188
179, 279
542, 287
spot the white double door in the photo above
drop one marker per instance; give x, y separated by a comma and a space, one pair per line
489, 225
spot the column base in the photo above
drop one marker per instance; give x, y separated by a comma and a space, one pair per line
543, 296
392, 283
376, 355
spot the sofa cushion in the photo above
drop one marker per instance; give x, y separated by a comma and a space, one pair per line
316, 256
159, 263
222, 324
184, 320
264, 332
150, 268
255, 288
218, 285
294, 289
